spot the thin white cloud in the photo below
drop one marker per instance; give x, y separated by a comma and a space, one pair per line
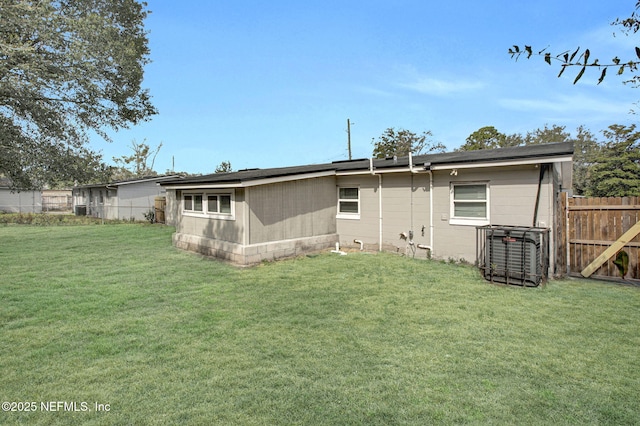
566, 104
439, 87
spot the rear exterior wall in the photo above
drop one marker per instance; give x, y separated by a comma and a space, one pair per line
405, 202
290, 210
404, 198
512, 201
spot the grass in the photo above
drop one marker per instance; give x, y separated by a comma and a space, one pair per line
116, 315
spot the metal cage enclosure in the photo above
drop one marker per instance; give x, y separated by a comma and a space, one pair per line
515, 255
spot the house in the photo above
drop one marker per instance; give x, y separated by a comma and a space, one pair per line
425, 205
127, 200
14, 201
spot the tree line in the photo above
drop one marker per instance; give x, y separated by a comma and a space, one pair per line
608, 167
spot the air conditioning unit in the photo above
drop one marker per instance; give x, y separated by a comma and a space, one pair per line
513, 254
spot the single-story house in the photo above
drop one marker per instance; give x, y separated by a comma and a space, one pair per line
126, 200
424, 205
14, 201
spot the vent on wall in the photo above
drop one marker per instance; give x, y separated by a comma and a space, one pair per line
513, 254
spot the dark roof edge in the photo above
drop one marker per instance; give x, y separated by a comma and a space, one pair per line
480, 156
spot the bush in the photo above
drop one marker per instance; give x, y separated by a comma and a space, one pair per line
42, 219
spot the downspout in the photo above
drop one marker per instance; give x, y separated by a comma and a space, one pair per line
543, 168
431, 227
379, 203
427, 167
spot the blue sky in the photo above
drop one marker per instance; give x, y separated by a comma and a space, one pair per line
272, 83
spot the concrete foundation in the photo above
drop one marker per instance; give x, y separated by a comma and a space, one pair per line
254, 253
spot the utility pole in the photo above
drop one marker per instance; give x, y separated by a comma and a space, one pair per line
349, 137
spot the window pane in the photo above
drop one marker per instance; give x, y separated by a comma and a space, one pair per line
188, 202
469, 192
225, 204
348, 207
212, 203
473, 210
349, 193
197, 203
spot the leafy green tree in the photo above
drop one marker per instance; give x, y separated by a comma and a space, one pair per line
489, 137
616, 168
138, 164
402, 142
581, 59
585, 150
585, 147
223, 167
67, 68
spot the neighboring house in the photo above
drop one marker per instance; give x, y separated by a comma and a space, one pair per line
426, 205
127, 200
13, 201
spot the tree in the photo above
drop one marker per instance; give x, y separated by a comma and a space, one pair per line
488, 137
582, 59
67, 68
138, 164
223, 167
585, 147
402, 142
616, 169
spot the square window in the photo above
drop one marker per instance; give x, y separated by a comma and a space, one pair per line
469, 204
349, 203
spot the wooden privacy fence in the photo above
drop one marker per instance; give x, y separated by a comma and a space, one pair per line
594, 231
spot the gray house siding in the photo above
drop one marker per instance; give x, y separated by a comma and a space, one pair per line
271, 221
135, 200
405, 207
20, 202
124, 200
171, 211
227, 231
290, 210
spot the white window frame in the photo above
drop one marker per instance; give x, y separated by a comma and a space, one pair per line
348, 215
469, 221
205, 204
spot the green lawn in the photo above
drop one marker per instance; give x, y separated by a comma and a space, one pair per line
113, 314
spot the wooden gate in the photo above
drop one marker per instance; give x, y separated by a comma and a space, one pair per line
594, 231
160, 205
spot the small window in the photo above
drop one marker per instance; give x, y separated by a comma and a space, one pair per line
469, 204
218, 206
193, 203
349, 203
225, 204
188, 202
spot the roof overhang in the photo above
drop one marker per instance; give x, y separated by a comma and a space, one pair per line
250, 183
503, 163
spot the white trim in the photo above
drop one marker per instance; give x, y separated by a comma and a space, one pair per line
344, 215
502, 163
466, 221
248, 184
